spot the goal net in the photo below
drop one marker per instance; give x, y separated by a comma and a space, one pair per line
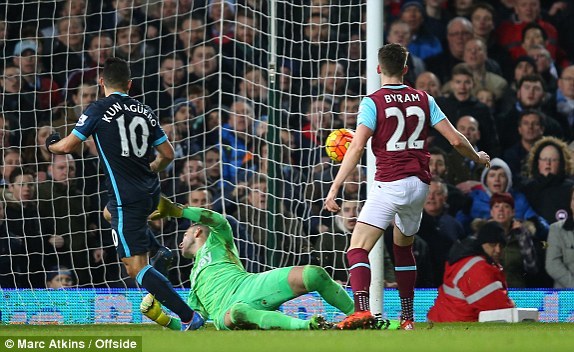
248, 129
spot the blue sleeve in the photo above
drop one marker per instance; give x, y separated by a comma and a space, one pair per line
86, 124
436, 114
158, 135
367, 113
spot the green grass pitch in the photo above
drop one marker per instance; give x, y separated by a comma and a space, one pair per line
540, 337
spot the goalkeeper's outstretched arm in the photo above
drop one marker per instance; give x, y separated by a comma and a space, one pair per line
167, 208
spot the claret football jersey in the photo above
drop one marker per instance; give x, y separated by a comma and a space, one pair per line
400, 117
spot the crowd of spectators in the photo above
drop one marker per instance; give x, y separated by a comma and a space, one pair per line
250, 145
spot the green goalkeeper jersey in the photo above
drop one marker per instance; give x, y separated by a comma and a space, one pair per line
217, 271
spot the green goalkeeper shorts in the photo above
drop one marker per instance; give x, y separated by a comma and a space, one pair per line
264, 291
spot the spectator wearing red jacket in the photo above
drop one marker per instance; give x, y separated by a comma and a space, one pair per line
509, 32
474, 280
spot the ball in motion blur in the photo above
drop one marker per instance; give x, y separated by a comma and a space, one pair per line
337, 143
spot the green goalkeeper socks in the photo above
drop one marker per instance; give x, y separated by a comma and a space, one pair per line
316, 278
174, 324
246, 317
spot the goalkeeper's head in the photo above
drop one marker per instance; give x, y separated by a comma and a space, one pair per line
393, 60
193, 240
116, 75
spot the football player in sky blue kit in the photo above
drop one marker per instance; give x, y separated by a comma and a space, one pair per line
126, 132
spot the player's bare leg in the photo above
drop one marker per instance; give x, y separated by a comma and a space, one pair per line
362, 241
107, 215
406, 274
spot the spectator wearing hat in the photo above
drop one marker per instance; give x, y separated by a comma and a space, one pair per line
521, 262
41, 85
423, 44
474, 279
495, 180
59, 277
524, 65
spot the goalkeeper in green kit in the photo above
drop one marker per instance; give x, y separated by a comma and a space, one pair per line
222, 290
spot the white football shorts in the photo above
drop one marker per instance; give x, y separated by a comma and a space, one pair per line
402, 200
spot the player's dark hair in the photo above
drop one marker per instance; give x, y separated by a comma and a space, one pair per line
116, 73
204, 228
393, 59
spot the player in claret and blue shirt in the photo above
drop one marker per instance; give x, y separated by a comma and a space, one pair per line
126, 132
398, 118
235, 299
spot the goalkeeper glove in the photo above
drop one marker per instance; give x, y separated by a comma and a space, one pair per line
54, 138
151, 308
167, 209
